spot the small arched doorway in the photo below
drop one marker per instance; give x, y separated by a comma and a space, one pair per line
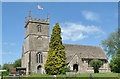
39, 69
75, 67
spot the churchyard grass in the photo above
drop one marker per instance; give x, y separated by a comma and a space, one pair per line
79, 75
40, 75
99, 75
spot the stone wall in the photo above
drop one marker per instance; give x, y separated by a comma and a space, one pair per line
83, 66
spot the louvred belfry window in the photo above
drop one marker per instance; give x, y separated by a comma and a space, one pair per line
39, 28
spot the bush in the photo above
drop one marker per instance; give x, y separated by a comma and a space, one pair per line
67, 69
5, 73
115, 64
96, 64
7, 67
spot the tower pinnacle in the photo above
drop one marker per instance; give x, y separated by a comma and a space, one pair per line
48, 18
30, 15
25, 19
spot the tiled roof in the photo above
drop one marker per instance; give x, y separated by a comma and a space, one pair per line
84, 51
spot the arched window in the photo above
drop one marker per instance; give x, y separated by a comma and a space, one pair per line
39, 57
39, 28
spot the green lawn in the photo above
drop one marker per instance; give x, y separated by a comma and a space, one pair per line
80, 75
99, 75
40, 75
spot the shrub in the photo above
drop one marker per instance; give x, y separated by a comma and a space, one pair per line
115, 64
96, 64
67, 69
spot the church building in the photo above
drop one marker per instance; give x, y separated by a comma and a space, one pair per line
36, 46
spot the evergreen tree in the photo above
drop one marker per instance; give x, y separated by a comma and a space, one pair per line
56, 58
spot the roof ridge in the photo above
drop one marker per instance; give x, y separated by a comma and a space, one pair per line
81, 45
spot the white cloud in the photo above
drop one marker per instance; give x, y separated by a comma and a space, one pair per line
14, 55
92, 16
9, 56
9, 44
76, 32
3, 53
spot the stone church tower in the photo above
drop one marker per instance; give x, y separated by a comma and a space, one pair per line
36, 45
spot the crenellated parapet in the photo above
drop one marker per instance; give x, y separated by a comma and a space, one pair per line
35, 20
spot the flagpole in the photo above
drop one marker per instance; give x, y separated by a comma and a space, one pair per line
42, 8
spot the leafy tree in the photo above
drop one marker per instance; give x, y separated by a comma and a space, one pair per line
17, 63
0, 67
115, 64
7, 67
118, 51
96, 64
112, 44
56, 58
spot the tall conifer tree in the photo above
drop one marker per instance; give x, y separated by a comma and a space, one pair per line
56, 58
